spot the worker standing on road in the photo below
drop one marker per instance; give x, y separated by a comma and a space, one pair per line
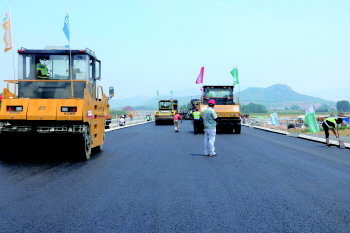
131, 116
209, 120
176, 121
329, 124
196, 120
121, 121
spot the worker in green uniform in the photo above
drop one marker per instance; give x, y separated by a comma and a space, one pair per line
196, 120
329, 124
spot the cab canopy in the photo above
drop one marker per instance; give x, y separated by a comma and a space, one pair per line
223, 95
50, 73
62, 64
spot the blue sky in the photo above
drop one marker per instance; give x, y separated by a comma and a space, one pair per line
153, 45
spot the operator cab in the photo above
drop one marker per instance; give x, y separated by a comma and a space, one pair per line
168, 105
223, 95
49, 73
165, 105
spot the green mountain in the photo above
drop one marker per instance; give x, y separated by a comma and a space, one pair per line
278, 96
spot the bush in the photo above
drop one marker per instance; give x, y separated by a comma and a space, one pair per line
254, 108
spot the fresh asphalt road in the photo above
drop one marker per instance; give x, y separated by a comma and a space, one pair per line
150, 179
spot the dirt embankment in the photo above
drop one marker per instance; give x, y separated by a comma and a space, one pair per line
342, 132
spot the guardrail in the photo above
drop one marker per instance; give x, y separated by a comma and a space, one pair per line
114, 125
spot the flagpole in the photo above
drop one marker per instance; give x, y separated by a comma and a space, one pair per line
70, 69
70, 56
239, 87
13, 55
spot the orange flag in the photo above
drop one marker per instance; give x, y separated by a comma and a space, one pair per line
6, 24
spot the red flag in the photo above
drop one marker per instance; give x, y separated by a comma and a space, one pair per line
200, 76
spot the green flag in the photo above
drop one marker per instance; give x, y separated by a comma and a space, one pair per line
311, 121
234, 74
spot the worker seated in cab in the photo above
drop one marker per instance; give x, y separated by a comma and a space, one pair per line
209, 94
41, 69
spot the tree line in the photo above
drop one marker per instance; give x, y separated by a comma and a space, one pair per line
342, 106
254, 108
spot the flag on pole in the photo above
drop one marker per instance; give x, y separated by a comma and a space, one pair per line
234, 73
6, 24
66, 26
274, 119
157, 94
200, 76
311, 121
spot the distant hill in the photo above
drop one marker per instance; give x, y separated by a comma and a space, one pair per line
148, 101
277, 96
181, 100
133, 101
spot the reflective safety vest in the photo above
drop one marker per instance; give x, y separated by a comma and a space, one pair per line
196, 115
42, 68
331, 119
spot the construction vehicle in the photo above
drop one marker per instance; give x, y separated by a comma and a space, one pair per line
194, 104
166, 111
58, 101
227, 108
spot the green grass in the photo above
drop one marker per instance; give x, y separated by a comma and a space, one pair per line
118, 112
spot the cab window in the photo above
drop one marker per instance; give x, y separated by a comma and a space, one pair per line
24, 66
80, 67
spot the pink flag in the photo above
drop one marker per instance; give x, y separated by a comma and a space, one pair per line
200, 76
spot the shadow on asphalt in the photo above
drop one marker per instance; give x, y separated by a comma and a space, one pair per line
191, 132
49, 156
198, 155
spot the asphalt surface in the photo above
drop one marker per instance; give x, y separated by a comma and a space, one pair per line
150, 179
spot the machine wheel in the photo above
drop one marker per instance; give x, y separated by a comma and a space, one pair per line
238, 129
99, 148
156, 122
84, 150
6, 149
